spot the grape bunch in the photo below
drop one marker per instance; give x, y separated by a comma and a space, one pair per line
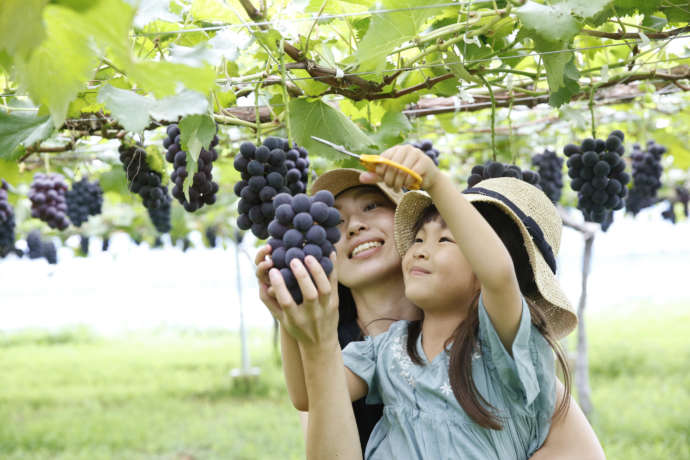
84, 244
267, 170
597, 170
203, 189
428, 148
142, 179
39, 248
6, 222
35, 244
303, 226
160, 216
47, 195
550, 168
49, 252
669, 214
492, 169
84, 199
211, 236
646, 176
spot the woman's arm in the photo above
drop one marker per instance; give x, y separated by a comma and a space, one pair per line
571, 436
331, 429
289, 350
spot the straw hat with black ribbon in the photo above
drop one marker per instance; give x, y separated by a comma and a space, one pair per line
539, 224
340, 180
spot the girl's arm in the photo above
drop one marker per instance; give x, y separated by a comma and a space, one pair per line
478, 242
570, 437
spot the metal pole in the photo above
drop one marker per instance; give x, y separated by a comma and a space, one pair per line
243, 331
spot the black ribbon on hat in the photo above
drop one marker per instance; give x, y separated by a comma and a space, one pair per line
532, 227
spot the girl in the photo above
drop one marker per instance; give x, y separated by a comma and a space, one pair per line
572, 436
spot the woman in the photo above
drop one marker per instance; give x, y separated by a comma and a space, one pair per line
371, 296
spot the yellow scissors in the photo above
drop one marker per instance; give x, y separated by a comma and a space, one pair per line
370, 161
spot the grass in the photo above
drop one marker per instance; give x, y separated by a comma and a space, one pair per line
72, 395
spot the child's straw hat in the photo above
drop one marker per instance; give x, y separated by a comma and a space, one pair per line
339, 180
539, 224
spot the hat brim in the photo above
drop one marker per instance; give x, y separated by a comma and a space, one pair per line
551, 299
340, 180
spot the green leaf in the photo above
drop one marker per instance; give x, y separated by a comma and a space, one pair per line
319, 119
56, 70
570, 84
127, 107
162, 78
16, 130
21, 25
550, 23
196, 131
213, 11
173, 107
389, 30
655, 22
393, 130
152, 10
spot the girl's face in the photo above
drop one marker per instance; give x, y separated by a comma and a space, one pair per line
436, 273
366, 249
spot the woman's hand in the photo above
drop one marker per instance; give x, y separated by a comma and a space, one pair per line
263, 265
410, 157
315, 321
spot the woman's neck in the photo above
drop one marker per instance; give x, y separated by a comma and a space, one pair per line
381, 303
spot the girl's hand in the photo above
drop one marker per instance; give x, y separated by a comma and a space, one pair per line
315, 321
263, 265
410, 157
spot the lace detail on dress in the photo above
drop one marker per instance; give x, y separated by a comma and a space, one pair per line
402, 359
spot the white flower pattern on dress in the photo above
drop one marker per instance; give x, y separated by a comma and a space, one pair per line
446, 389
402, 359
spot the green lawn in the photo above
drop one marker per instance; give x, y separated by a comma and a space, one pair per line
169, 396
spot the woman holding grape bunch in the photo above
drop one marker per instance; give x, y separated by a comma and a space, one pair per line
367, 288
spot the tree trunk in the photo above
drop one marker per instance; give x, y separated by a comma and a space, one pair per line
582, 363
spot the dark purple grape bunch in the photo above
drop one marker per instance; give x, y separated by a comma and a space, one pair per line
35, 244
669, 214
39, 248
646, 176
303, 226
203, 189
428, 148
597, 171
160, 216
142, 179
84, 199
267, 170
6, 222
492, 169
550, 168
47, 195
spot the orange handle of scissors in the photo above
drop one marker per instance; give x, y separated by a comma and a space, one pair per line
370, 162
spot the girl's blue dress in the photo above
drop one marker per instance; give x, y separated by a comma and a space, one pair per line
423, 420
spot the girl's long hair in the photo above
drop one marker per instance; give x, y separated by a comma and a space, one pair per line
465, 338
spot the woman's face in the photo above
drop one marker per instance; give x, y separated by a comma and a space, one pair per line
366, 249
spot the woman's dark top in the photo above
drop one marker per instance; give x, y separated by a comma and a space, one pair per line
366, 415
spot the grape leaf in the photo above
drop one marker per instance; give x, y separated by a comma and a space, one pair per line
152, 10
196, 131
21, 25
316, 118
127, 107
389, 30
214, 11
185, 103
23, 130
393, 130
